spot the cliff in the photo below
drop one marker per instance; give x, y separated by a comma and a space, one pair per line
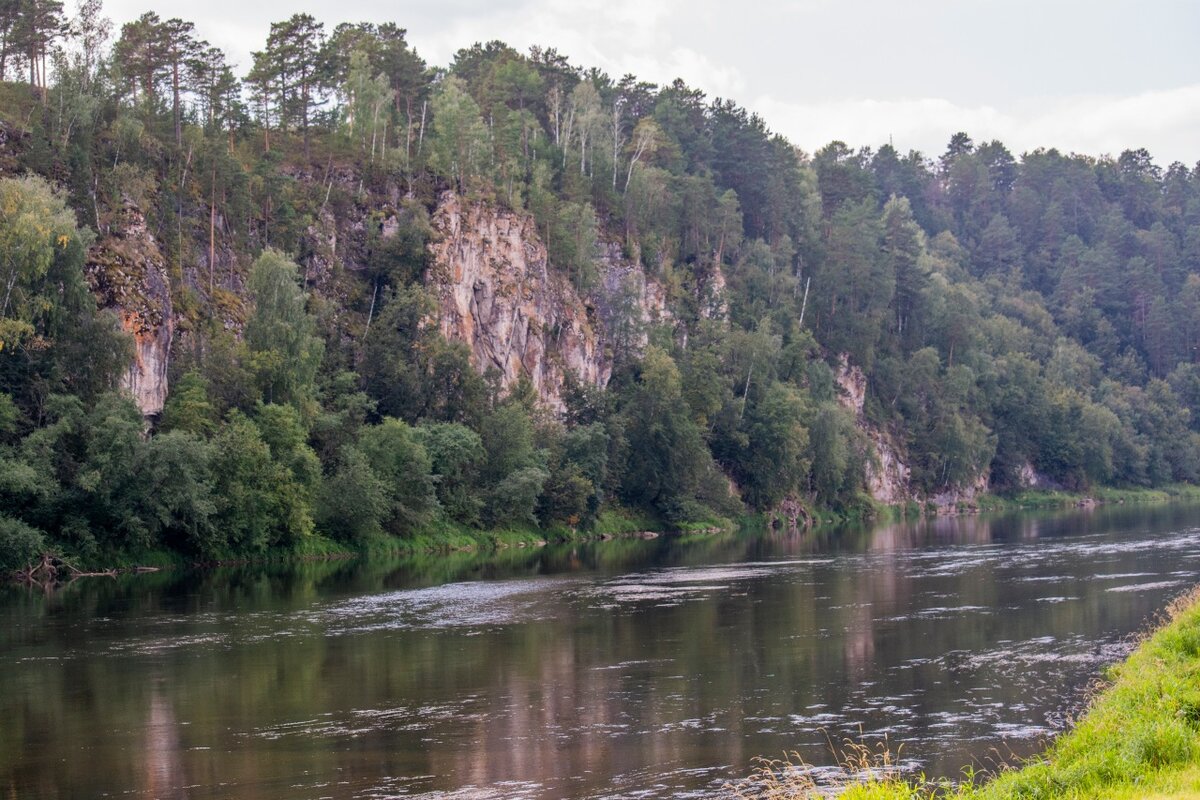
887, 476
127, 272
490, 274
497, 293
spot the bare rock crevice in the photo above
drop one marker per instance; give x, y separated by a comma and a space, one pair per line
127, 273
887, 478
497, 293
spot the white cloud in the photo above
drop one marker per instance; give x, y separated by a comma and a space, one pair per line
1164, 122
617, 36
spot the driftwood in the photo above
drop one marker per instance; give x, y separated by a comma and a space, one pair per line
52, 570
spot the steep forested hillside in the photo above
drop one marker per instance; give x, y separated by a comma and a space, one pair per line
357, 295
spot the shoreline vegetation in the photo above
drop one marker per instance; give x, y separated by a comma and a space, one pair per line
1138, 738
447, 538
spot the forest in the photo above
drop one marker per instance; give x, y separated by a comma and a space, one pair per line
1013, 315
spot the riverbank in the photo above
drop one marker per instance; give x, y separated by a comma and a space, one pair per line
869, 512
1141, 735
1104, 495
1140, 738
449, 537
440, 538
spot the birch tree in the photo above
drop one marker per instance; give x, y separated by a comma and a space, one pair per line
646, 135
459, 136
584, 118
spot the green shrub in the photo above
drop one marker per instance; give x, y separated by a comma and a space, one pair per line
19, 544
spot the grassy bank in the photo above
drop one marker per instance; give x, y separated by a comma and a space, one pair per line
1042, 498
629, 523
611, 524
447, 537
441, 538
866, 511
1140, 738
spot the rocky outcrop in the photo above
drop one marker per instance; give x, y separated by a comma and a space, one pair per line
497, 293
887, 476
127, 272
1029, 478
952, 500
627, 304
790, 516
490, 275
11, 144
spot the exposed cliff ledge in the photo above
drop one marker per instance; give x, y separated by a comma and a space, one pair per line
887, 476
496, 292
127, 273
490, 275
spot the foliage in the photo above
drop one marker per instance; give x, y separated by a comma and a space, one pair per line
284, 350
52, 338
260, 503
353, 500
20, 544
1005, 318
399, 460
455, 454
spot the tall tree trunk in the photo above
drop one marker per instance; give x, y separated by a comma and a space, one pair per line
212, 231
407, 132
804, 303
421, 138
371, 313
175, 103
616, 144
745, 392
304, 111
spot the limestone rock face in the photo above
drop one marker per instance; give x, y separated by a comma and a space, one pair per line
146, 378
947, 502
887, 476
127, 273
887, 480
496, 292
1029, 478
627, 303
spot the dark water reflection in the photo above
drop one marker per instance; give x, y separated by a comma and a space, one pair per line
621, 669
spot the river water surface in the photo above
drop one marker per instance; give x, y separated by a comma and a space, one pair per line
626, 669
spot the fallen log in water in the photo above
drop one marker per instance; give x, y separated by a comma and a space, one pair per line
51, 570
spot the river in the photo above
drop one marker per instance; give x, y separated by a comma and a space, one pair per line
624, 669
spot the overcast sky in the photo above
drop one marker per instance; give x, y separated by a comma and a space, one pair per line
1091, 77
